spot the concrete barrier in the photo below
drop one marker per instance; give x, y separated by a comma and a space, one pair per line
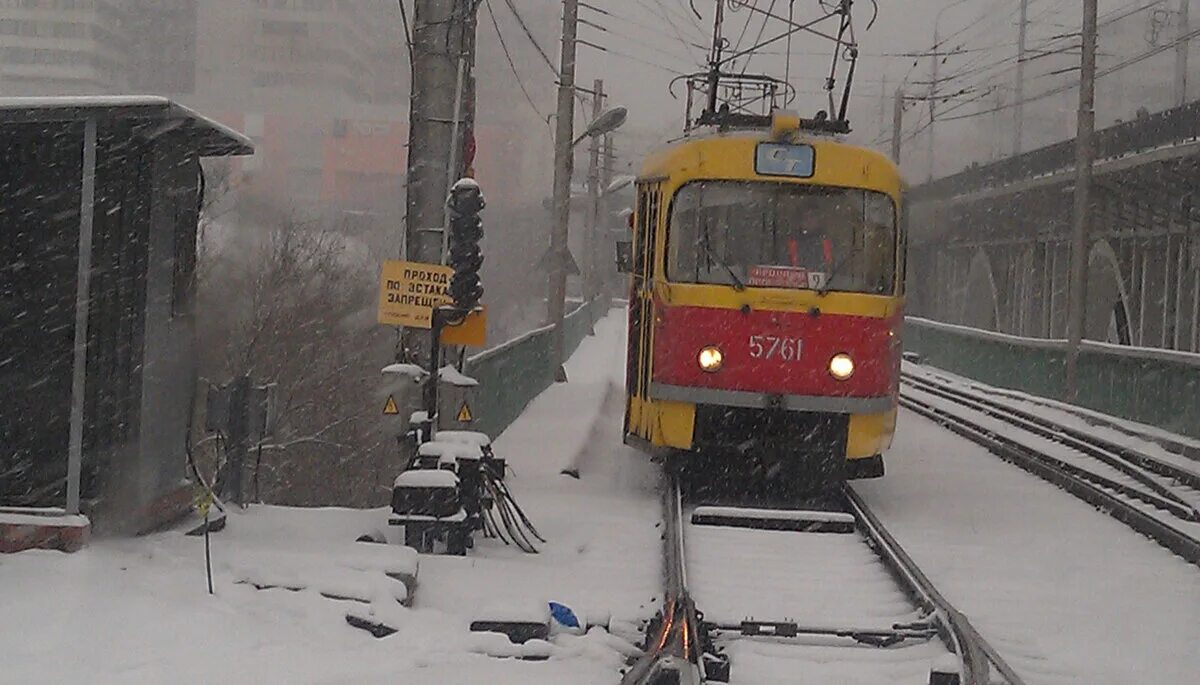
1153, 386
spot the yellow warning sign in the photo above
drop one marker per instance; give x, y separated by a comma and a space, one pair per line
464, 414
472, 331
409, 292
390, 407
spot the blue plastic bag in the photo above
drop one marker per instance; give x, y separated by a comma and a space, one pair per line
564, 616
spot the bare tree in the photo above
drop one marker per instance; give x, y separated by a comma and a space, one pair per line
293, 306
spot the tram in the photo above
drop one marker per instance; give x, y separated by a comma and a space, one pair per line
766, 302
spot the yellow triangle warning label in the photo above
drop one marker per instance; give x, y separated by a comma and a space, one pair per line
390, 408
464, 414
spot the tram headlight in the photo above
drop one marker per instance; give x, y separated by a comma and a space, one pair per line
841, 366
710, 358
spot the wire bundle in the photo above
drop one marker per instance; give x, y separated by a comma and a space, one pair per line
505, 519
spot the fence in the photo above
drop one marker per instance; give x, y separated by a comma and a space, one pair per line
1152, 386
512, 374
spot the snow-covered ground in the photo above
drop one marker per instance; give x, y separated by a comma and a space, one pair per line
1068, 595
1134, 435
138, 611
1065, 593
827, 580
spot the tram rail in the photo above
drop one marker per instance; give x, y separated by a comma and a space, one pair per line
1153, 496
680, 642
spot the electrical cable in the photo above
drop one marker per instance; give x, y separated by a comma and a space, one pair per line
674, 27
1072, 84
407, 34
761, 30
507, 56
529, 34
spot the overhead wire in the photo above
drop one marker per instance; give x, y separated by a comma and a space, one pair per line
664, 15
511, 65
529, 34
407, 33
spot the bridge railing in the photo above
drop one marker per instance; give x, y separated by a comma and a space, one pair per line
1169, 127
512, 374
1152, 386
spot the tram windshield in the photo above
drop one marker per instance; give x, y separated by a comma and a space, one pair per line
783, 235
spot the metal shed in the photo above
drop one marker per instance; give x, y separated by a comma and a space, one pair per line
99, 207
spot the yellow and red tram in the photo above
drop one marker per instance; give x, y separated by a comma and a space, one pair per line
766, 302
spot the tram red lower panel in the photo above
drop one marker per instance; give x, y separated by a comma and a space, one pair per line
777, 352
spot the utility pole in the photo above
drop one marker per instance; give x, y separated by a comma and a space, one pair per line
564, 135
883, 103
1077, 312
591, 237
933, 88
897, 124
607, 160
443, 44
1019, 92
1181, 54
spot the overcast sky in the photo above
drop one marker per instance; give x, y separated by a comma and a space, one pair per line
650, 42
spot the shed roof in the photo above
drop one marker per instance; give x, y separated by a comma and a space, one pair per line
163, 116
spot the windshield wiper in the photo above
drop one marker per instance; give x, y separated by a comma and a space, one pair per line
824, 290
712, 258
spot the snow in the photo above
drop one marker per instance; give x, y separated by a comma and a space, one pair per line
12, 518
1124, 432
138, 610
448, 452
1065, 593
603, 557
401, 519
451, 375
413, 371
517, 612
464, 438
765, 575
427, 478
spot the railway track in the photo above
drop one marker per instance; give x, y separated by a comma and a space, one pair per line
1156, 497
815, 564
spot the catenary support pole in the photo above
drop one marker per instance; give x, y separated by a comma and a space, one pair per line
897, 124
1181, 53
933, 95
564, 135
591, 239
1077, 300
83, 279
442, 41
1019, 86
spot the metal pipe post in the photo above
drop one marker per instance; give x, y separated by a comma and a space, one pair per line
1181, 53
1019, 92
83, 281
1077, 303
591, 239
933, 88
897, 124
564, 135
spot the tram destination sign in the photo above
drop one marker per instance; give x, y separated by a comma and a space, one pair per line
410, 291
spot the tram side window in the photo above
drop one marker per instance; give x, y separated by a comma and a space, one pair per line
783, 235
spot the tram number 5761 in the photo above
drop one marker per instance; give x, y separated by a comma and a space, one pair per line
775, 347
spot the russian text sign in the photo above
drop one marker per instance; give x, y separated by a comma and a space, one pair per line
409, 292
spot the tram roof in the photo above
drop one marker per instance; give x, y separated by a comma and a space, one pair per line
679, 154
